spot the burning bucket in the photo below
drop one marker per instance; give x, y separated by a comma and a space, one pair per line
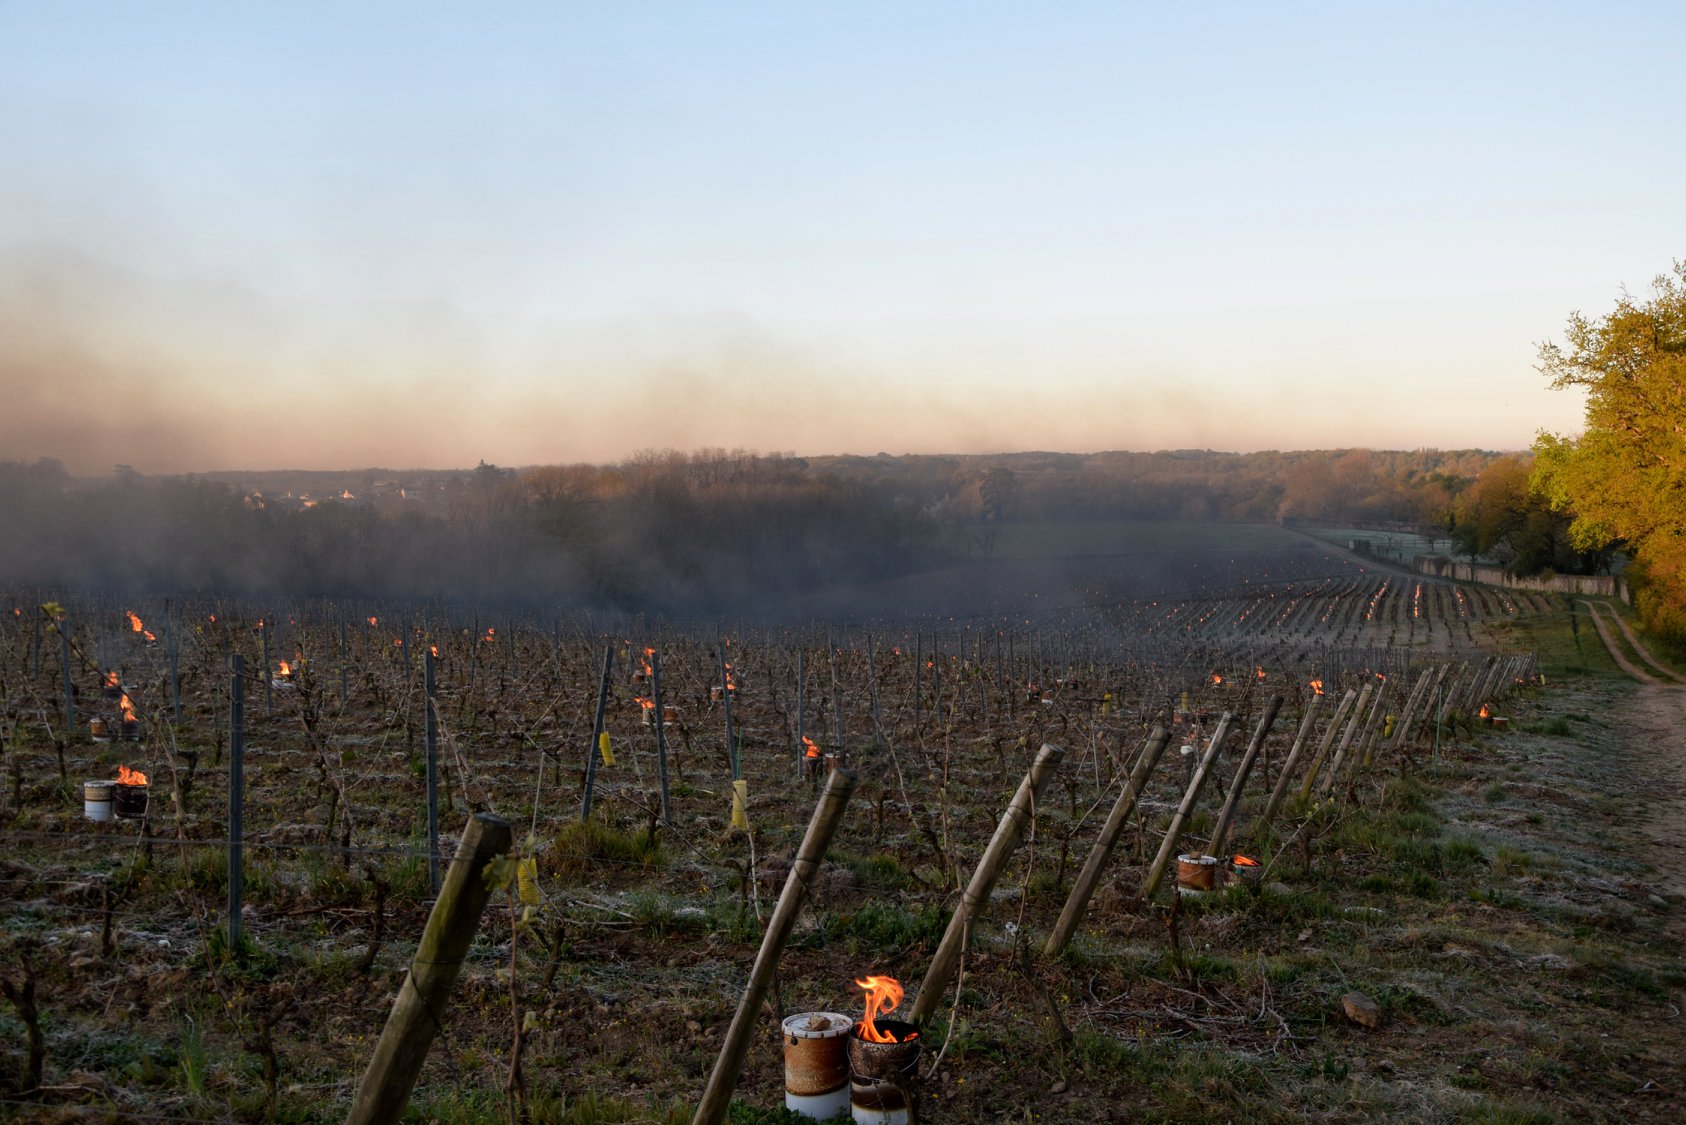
882, 1075
1197, 872
128, 794
96, 799
883, 1058
816, 1064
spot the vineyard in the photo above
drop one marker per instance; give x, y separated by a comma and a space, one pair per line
658, 779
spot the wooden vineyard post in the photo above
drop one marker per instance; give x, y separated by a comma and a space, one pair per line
1307, 724
1218, 845
1190, 795
661, 733
69, 688
1001, 846
828, 814
801, 710
430, 724
417, 1011
236, 794
1347, 708
593, 752
1084, 888
1358, 722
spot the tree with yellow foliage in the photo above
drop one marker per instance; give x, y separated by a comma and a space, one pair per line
1625, 476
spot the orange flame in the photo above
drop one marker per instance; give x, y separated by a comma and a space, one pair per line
1259, 672
434, 649
1217, 679
134, 622
111, 679
813, 747
128, 709
649, 652
149, 635
1244, 861
1486, 711
127, 776
397, 642
647, 704
882, 995
1317, 687
491, 633
373, 621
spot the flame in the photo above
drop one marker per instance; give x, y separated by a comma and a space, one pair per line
1486, 711
882, 995
134, 622
1259, 673
1217, 679
213, 619
111, 679
128, 709
647, 670
491, 633
1244, 861
127, 776
434, 649
397, 642
647, 704
1317, 687
373, 621
149, 635
649, 652
813, 747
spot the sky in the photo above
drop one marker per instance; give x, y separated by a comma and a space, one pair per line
410, 235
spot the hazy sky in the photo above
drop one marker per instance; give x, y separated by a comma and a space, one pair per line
401, 234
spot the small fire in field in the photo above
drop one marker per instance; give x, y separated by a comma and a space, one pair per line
127, 776
882, 996
812, 747
374, 622
1244, 861
1317, 687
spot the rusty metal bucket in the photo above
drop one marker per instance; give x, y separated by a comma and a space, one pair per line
816, 1067
882, 1075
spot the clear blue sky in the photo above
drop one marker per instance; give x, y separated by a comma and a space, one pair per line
335, 235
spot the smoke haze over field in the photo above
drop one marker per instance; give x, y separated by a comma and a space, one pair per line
235, 238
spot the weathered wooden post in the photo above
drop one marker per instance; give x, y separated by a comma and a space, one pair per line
1359, 720
418, 1010
1001, 846
69, 688
1084, 888
430, 724
661, 733
236, 795
1218, 845
594, 751
717, 1097
1335, 726
1282, 779
1192, 794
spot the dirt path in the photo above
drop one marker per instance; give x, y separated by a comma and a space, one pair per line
1599, 622
1654, 731
1653, 725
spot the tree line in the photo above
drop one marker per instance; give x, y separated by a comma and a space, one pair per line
677, 533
